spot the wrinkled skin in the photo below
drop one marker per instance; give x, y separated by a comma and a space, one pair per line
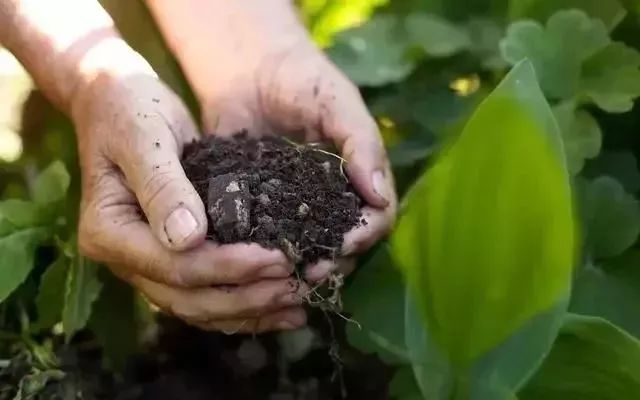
142, 217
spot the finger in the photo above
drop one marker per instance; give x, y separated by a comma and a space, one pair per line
204, 305
345, 119
111, 231
321, 270
281, 320
378, 224
149, 159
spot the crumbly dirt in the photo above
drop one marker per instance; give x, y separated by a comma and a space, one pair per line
274, 192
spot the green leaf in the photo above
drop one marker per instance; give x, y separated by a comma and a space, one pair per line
436, 36
50, 300
17, 256
377, 290
52, 184
611, 78
375, 53
403, 386
621, 165
611, 217
118, 305
611, 12
20, 213
610, 293
489, 230
82, 289
581, 135
546, 47
485, 34
591, 360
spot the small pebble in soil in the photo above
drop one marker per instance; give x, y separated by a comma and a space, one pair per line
275, 193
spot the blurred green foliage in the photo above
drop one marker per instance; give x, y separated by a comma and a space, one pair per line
423, 67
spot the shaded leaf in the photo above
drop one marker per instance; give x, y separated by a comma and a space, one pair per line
611, 78
435, 35
621, 165
52, 183
377, 290
117, 305
581, 135
611, 12
546, 47
489, 229
611, 217
82, 289
591, 360
375, 53
50, 300
16, 258
403, 386
610, 293
485, 35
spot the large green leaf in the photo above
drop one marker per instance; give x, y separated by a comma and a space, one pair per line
591, 360
611, 217
377, 289
546, 47
489, 230
82, 289
17, 251
20, 213
52, 184
375, 53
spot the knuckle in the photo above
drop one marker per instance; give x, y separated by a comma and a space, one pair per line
155, 186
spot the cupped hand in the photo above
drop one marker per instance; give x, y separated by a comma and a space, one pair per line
142, 217
296, 90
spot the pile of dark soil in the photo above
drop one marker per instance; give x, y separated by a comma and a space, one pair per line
274, 192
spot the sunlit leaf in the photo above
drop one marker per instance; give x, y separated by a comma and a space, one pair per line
82, 289
52, 184
611, 78
611, 217
375, 53
20, 213
17, 256
489, 230
591, 360
546, 47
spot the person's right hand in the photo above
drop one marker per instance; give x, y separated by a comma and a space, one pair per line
142, 217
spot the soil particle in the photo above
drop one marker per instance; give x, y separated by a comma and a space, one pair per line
275, 193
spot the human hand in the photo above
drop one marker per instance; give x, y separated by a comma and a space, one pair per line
293, 88
142, 217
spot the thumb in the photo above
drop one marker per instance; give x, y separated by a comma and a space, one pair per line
171, 204
348, 123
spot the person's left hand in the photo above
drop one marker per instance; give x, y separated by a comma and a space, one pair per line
299, 91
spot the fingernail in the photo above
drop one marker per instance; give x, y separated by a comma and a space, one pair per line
380, 184
180, 225
275, 271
